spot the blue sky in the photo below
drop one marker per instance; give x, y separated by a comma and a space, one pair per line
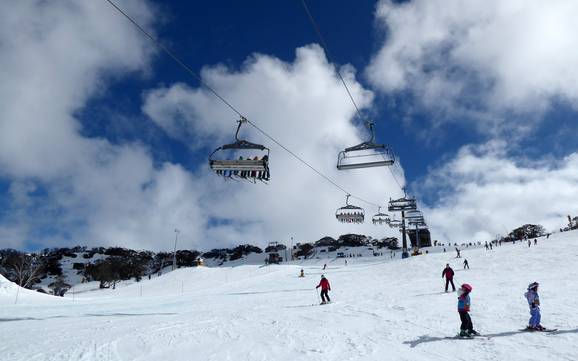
477, 101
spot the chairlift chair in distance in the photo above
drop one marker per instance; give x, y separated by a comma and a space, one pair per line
380, 218
402, 204
418, 223
365, 155
350, 213
414, 221
224, 163
395, 223
415, 214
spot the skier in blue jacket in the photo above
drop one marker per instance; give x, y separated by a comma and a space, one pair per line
534, 302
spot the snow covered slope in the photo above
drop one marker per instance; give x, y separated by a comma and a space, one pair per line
383, 310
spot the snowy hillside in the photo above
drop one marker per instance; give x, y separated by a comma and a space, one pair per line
383, 309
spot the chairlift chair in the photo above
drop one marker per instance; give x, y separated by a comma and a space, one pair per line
251, 168
413, 214
395, 223
419, 222
350, 213
365, 155
380, 218
402, 204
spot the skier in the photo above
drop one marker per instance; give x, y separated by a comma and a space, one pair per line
535, 241
534, 303
466, 328
325, 288
302, 274
346, 262
324, 266
529, 243
448, 272
466, 264
458, 252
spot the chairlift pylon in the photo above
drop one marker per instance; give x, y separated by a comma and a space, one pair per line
251, 168
380, 218
365, 155
350, 213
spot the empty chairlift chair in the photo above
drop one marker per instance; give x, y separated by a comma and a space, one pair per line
365, 155
350, 213
227, 160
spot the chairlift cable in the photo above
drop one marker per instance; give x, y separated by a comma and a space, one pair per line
222, 99
329, 57
175, 58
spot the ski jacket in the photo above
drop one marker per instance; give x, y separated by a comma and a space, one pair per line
464, 303
448, 272
324, 284
532, 298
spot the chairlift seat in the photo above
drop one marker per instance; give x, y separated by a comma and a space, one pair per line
365, 155
239, 165
402, 204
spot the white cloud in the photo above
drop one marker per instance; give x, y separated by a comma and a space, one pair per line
92, 192
67, 188
484, 191
491, 61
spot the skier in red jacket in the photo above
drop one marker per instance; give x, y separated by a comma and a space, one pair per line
325, 288
448, 272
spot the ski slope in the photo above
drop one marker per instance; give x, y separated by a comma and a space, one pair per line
382, 310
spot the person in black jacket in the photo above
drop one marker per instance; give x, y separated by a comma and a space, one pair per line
448, 273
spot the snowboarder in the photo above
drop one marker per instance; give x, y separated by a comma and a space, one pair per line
466, 328
534, 303
302, 274
325, 288
448, 273
466, 264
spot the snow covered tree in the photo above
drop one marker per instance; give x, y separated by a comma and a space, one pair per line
24, 269
527, 231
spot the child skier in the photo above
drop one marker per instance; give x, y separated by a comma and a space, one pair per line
325, 288
534, 303
466, 328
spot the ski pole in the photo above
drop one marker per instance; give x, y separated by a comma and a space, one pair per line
317, 293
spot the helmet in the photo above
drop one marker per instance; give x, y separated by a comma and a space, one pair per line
533, 285
467, 287
322, 276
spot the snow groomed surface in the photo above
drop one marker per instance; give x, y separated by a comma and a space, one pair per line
383, 310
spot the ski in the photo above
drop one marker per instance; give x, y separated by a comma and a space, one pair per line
534, 330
